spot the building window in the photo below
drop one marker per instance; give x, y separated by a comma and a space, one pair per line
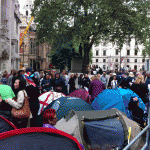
104, 52
104, 67
128, 60
104, 60
116, 59
96, 60
116, 51
16, 47
96, 52
26, 5
135, 60
143, 60
26, 13
128, 52
135, 52
135, 67
32, 46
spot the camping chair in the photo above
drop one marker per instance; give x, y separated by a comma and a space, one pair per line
6, 125
38, 138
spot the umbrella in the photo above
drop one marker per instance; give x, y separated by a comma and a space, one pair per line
115, 98
81, 93
68, 103
6, 92
46, 98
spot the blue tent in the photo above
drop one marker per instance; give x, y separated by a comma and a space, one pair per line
115, 98
68, 103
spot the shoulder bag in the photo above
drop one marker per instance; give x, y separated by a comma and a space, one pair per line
23, 112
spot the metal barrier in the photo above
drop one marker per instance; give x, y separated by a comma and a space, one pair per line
147, 128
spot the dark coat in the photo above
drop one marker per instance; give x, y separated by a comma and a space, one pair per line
109, 82
59, 85
72, 85
86, 82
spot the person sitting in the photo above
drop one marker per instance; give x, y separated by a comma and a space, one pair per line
136, 111
49, 118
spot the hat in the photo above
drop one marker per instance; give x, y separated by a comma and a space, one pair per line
23, 69
131, 74
30, 81
114, 74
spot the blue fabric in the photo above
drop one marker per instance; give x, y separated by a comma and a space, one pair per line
68, 103
104, 133
116, 98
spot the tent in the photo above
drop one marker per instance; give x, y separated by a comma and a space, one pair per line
105, 129
46, 98
6, 125
116, 98
68, 103
81, 93
38, 139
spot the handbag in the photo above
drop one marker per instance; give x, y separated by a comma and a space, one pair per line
23, 112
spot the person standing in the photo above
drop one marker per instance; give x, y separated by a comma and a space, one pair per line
4, 79
59, 84
9, 81
46, 83
110, 79
72, 84
86, 81
80, 80
20, 93
114, 82
104, 79
33, 100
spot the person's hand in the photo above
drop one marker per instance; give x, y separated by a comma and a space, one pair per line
6, 100
0, 99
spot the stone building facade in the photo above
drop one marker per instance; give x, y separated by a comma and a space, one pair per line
108, 56
9, 35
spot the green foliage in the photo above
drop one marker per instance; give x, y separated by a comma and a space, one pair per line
68, 23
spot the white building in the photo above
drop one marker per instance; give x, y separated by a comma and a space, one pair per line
9, 35
107, 56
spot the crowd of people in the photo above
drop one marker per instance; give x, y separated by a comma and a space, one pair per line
33, 83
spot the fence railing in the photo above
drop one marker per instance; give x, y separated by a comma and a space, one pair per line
147, 128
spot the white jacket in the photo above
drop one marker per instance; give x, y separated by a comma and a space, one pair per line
20, 100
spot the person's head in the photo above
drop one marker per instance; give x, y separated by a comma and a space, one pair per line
47, 76
4, 75
72, 75
57, 75
111, 74
114, 77
86, 75
134, 102
49, 117
104, 74
22, 71
19, 84
81, 75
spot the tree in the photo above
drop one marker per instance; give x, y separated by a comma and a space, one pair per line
86, 22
